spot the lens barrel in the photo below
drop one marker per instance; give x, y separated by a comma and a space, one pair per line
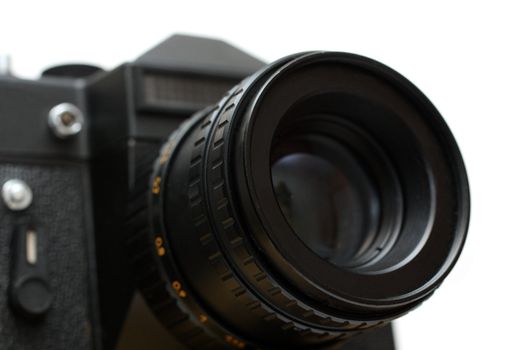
322, 196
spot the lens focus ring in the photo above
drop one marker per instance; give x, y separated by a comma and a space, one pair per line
173, 305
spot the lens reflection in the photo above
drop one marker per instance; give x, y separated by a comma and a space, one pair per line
329, 203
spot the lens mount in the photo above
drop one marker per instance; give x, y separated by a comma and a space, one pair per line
322, 196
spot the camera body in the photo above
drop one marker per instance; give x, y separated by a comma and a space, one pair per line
81, 151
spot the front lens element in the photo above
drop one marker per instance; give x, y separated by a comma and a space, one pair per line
326, 197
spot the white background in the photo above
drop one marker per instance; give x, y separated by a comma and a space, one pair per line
468, 57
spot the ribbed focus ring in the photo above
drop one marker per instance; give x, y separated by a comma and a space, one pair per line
174, 307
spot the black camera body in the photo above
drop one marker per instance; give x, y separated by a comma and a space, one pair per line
78, 150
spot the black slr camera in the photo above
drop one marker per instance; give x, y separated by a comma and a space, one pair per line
198, 198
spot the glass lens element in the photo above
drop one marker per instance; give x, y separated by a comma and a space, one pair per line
332, 207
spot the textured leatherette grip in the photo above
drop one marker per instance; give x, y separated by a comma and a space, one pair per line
59, 209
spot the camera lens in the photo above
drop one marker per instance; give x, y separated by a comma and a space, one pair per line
323, 196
